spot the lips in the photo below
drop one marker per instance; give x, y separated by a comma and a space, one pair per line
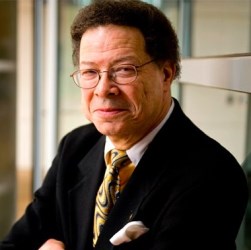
109, 109
109, 112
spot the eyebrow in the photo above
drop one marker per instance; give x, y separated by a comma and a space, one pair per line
120, 60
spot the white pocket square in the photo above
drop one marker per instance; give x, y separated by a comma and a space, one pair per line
129, 232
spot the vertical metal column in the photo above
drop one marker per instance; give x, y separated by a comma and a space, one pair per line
185, 27
45, 88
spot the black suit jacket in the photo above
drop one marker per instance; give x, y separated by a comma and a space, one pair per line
187, 189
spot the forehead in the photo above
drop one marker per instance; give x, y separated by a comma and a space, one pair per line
112, 40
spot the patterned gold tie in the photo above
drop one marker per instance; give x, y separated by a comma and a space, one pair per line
118, 171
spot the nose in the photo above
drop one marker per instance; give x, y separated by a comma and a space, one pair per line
105, 85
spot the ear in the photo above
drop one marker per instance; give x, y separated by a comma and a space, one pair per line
169, 72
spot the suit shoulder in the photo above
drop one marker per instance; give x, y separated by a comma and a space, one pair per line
81, 133
80, 139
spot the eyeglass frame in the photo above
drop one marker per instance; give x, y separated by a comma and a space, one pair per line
136, 67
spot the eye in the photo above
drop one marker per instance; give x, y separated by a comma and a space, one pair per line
124, 70
88, 74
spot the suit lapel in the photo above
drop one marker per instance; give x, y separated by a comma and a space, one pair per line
82, 196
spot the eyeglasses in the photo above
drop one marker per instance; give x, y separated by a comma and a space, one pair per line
121, 74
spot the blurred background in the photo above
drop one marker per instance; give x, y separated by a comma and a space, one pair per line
39, 102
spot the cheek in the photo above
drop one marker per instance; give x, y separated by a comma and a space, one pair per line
149, 93
140, 102
152, 95
85, 103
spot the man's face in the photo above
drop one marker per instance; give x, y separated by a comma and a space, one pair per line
125, 113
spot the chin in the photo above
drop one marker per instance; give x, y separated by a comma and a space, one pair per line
109, 130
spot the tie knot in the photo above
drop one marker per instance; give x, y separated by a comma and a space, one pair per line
118, 158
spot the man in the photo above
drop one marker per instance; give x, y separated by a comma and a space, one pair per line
185, 190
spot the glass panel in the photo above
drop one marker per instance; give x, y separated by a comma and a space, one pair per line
220, 113
220, 27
